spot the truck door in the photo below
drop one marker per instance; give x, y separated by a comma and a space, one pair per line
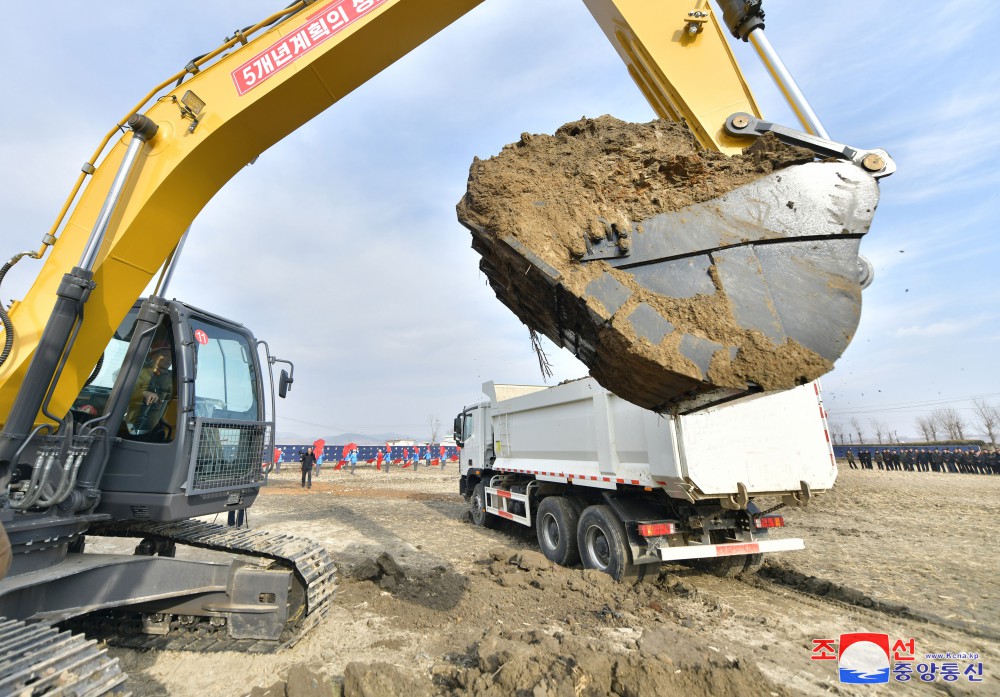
468, 434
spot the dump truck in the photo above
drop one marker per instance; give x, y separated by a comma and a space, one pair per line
622, 489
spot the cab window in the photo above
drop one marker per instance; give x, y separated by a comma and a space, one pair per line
226, 380
151, 415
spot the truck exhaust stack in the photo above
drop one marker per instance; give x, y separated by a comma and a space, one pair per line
681, 277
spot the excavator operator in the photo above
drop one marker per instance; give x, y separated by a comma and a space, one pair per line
151, 395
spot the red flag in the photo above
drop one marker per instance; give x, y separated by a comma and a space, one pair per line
277, 454
318, 447
348, 448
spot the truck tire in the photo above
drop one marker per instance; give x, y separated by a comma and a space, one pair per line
752, 565
723, 567
477, 508
556, 524
603, 544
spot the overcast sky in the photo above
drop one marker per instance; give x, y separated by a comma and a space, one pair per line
340, 245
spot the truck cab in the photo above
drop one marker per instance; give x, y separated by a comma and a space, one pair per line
474, 436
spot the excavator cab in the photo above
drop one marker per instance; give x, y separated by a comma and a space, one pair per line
183, 391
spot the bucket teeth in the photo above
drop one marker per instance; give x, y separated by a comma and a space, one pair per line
756, 289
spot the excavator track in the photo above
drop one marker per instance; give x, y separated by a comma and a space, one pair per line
312, 565
37, 659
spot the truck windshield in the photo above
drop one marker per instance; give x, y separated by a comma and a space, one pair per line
226, 379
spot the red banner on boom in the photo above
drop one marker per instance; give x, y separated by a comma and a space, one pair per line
320, 27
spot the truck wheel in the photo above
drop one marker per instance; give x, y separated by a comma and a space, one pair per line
723, 567
477, 507
602, 541
556, 524
752, 564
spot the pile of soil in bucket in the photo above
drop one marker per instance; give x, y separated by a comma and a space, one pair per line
536, 208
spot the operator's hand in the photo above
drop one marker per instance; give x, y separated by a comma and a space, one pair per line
150, 397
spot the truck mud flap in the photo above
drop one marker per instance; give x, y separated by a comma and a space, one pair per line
729, 549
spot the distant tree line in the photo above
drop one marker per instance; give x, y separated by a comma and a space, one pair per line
938, 426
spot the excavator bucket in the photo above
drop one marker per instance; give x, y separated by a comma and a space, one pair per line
681, 277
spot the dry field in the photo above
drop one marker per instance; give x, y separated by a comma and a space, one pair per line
910, 555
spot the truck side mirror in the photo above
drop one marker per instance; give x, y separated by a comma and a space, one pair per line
284, 382
457, 430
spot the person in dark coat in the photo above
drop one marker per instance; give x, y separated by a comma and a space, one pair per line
308, 460
937, 460
924, 459
951, 459
850, 459
965, 462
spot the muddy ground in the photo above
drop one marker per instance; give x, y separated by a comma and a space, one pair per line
479, 612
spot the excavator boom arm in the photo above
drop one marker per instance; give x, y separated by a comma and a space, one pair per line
234, 105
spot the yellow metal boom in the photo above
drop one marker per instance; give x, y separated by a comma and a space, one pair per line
229, 106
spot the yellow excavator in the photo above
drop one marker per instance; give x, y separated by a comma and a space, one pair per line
131, 417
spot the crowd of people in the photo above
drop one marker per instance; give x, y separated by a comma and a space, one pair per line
411, 458
948, 460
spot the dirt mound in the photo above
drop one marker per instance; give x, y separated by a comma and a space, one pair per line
670, 660
536, 209
382, 570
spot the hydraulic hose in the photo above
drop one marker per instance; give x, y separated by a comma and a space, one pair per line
8, 326
97, 370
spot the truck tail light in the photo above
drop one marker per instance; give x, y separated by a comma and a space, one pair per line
657, 529
770, 521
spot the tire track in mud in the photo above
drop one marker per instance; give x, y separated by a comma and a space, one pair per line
776, 625
775, 575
